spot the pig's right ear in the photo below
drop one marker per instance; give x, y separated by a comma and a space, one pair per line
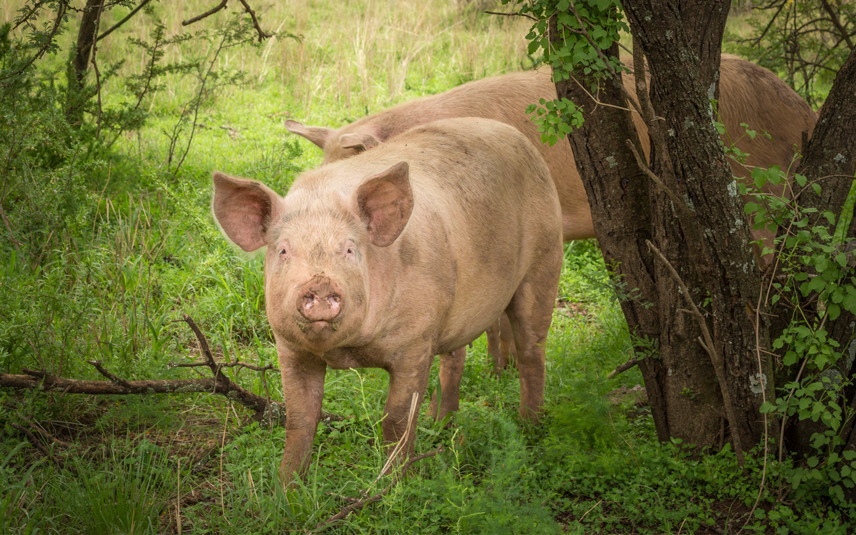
385, 202
316, 134
244, 209
360, 142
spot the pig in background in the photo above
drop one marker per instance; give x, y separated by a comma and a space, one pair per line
393, 256
748, 94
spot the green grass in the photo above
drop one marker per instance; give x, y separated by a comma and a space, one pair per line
135, 247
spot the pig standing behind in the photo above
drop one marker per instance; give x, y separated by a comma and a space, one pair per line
398, 254
748, 93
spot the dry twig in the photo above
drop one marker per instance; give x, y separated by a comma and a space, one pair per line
359, 504
708, 345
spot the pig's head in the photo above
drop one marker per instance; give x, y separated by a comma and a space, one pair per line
318, 241
337, 145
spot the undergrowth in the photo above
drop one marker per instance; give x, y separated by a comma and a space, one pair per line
105, 247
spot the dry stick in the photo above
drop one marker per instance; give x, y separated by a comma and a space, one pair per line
344, 512
764, 400
41, 447
623, 368
238, 364
589, 511
414, 403
222, 448
206, 14
178, 497
708, 346
530, 17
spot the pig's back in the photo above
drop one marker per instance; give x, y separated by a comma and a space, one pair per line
486, 207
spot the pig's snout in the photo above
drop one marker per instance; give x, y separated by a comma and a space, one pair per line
320, 300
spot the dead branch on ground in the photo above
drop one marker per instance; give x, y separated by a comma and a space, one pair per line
219, 384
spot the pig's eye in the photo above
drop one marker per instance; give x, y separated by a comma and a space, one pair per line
351, 251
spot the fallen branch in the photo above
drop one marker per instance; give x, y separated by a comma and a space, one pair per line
116, 386
359, 504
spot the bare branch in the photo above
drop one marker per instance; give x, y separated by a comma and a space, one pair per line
206, 14
837, 23
624, 367
116, 386
41, 447
262, 34
530, 17
60, 14
123, 21
103, 371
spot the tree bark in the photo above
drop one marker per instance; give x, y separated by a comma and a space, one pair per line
830, 161
691, 390
79, 65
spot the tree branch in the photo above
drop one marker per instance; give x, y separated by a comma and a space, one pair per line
206, 14
837, 23
624, 367
262, 34
123, 21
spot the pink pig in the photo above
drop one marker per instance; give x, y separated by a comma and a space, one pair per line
388, 258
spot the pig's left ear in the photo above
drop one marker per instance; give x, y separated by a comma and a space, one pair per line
244, 209
385, 202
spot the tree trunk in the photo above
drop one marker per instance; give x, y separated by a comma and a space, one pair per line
682, 43
79, 64
830, 160
691, 393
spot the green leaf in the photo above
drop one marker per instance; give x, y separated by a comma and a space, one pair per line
833, 311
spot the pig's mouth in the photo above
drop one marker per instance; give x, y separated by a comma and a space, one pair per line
316, 328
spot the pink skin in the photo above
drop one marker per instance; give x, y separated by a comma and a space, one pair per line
373, 262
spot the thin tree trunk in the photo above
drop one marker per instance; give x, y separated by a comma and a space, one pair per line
79, 64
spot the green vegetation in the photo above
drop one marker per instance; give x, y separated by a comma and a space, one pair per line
107, 240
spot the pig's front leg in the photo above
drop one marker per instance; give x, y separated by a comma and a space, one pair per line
407, 378
303, 391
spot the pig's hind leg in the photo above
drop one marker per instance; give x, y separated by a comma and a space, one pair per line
451, 371
530, 313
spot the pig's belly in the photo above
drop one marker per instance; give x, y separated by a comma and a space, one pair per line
468, 323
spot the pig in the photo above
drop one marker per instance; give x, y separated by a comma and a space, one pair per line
748, 94
398, 254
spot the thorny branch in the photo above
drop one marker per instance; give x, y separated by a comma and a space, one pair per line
60, 15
